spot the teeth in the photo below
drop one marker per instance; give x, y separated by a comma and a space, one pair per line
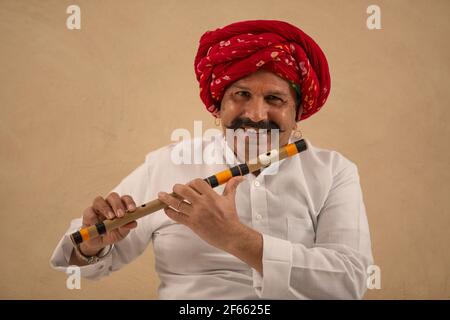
256, 130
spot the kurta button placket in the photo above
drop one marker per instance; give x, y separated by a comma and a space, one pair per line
259, 204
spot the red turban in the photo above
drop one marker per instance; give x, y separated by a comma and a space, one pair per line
239, 49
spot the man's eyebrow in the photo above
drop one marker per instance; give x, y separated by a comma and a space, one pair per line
237, 86
270, 92
277, 93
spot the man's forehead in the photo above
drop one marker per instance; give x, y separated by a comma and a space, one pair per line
269, 86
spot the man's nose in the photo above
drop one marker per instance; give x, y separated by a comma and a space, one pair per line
256, 110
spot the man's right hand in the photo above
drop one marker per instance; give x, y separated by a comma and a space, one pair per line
109, 208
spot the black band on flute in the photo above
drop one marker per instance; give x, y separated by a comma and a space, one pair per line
301, 145
244, 168
76, 237
212, 180
235, 171
101, 228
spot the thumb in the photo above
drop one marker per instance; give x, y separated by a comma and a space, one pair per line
231, 186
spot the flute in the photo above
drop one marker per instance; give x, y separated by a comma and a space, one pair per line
262, 161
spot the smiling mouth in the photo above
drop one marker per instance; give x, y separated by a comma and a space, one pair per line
257, 130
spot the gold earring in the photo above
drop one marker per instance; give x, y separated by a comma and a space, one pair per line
297, 133
217, 121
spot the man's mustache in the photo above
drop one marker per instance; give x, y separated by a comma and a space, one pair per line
247, 122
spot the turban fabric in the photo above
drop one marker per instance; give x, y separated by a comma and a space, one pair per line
228, 54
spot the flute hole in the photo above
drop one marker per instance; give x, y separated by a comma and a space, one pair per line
143, 205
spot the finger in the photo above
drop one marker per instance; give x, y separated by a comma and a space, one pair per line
129, 203
130, 225
168, 199
119, 234
202, 187
231, 186
186, 192
90, 217
116, 203
184, 207
176, 216
176, 203
100, 206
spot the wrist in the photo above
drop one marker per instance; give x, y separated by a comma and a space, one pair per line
247, 245
238, 233
91, 257
88, 251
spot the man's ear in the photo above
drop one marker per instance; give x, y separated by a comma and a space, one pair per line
299, 110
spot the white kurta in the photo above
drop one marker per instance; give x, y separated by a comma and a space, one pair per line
316, 241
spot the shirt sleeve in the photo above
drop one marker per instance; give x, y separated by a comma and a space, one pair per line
335, 266
124, 251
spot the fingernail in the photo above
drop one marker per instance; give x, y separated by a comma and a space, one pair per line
161, 194
111, 215
120, 213
131, 207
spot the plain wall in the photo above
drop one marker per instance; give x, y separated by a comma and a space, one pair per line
80, 110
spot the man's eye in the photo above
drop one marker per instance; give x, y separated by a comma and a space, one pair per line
273, 98
243, 94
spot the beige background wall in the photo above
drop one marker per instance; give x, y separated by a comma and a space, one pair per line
80, 110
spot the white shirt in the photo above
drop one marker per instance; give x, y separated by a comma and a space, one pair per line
316, 241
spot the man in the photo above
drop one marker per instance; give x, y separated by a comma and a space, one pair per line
300, 233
